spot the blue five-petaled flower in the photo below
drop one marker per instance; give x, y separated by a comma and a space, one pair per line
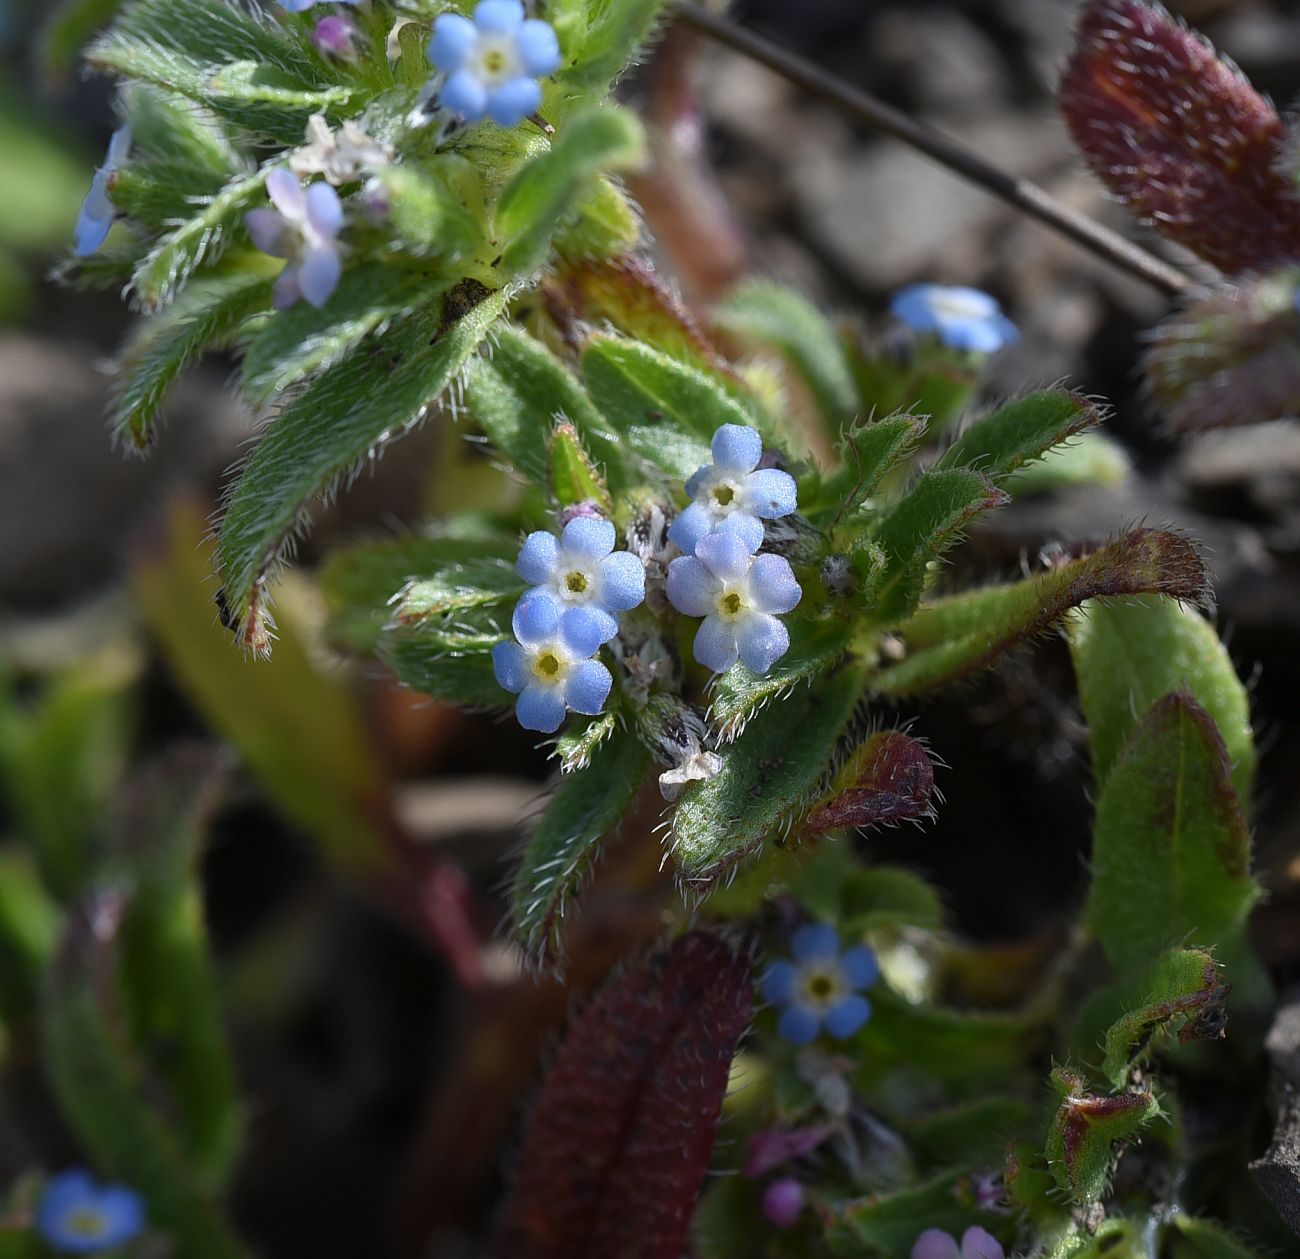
822, 987
493, 63
97, 211
740, 595
303, 228
78, 1216
963, 318
732, 494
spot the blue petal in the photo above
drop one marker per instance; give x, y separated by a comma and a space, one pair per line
324, 210
285, 290
463, 94
297, 6
286, 193
65, 1190
269, 231
510, 664
772, 586
726, 554
914, 305
978, 1243
622, 581
512, 102
816, 942
978, 304
770, 493
536, 618
454, 37
761, 641
859, 966
589, 537
584, 627
692, 589
588, 687
798, 1024
318, 275
689, 527
715, 644
737, 447
540, 708
89, 234
693, 481
779, 982
119, 145
539, 50
498, 17
749, 529
847, 1015
124, 1210
934, 1243
537, 558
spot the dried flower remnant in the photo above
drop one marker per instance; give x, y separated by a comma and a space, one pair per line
341, 156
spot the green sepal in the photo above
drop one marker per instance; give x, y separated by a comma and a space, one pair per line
1128, 653
169, 127
1085, 1129
573, 476
1020, 432
575, 746
1171, 848
561, 853
599, 45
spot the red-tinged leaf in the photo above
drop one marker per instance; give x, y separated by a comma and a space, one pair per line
1178, 134
889, 778
1229, 357
618, 1143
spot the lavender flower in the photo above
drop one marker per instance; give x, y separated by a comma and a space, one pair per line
303, 228
963, 318
580, 573
730, 495
783, 1202
493, 62
336, 36
549, 667
97, 210
820, 988
77, 1216
976, 1243
740, 596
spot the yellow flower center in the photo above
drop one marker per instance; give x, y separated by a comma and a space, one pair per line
576, 582
822, 988
730, 604
85, 1222
724, 495
547, 666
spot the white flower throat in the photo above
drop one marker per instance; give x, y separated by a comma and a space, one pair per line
496, 60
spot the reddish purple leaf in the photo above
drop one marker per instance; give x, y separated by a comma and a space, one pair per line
618, 1144
1180, 135
889, 778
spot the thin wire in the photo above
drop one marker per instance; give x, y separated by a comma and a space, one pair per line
1024, 194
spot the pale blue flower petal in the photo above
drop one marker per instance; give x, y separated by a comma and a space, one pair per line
536, 618
761, 640
737, 448
859, 966
622, 581
692, 589
772, 585
318, 275
286, 193
798, 1025
269, 231
588, 536
324, 210
715, 644
298, 6
512, 102
539, 50
770, 493
537, 557
964, 318
285, 290
816, 942
847, 1015
749, 529
779, 982
689, 527
119, 145
454, 37
978, 1243
498, 17
510, 664
540, 708
587, 688
584, 627
693, 481
726, 554
89, 233
465, 95
934, 1243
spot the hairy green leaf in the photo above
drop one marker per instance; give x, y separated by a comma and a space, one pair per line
67, 28
1021, 432
478, 582
868, 453
886, 1225
601, 43
450, 661
1084, 1130
573, 477
1191, 1237
575, 746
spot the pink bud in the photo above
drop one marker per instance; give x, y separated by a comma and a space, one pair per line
783, 1201
335, 36
571, 511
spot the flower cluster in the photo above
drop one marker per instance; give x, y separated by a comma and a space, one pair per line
578, 584
77, 1216
821, 987
720, 576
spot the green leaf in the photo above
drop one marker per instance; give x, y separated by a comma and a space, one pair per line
949, 638
67, 28
886, 1225
1129, 653
548, 187
480, 582
604, 224
780, 318
100, 1085
877, 898
599, 45
451, 663
160, 194
927, 521
1190, 1237
343, 417
886, 779
517, 394
868, 453
1171, 848
1084, 1130
563, 850
305, 340
208, 316
1021, 432
359, 582
768, 777
573, 477
167, 127
436, 207
29, 928
294, 723
970, 1134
